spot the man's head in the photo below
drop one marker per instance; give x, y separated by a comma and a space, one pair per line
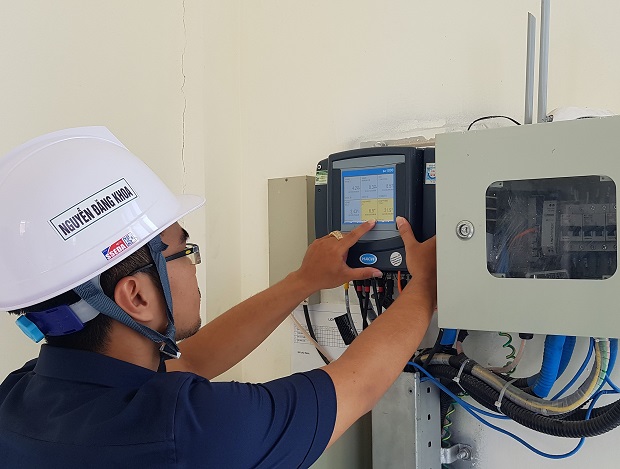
86, 214
135, 286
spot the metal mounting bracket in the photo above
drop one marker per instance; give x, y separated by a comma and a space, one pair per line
456, 453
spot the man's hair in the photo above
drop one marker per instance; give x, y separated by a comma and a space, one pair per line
94, 336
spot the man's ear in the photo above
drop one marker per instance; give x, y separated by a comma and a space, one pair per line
138, 297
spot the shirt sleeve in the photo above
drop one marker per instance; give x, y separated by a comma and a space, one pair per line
285, 423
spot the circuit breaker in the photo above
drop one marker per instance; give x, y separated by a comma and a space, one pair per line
526, 228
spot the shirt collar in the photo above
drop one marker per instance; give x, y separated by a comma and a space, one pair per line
89, 367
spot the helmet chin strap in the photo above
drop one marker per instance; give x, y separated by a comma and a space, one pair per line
92, 293
157, 247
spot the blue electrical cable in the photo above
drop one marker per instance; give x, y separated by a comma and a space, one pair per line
613, 353
578, 374
612, 385
567, 353
472, 410
550, 369
448, 337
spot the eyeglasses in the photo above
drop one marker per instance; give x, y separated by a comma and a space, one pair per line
191, 251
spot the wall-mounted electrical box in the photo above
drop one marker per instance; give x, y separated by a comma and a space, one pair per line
526, 228
377, 183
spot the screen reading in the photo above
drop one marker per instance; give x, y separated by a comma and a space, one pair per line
368, 194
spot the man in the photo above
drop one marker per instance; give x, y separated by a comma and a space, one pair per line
93, 259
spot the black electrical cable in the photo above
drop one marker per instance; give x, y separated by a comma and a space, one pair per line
446, 373
311, 332
373, 282
445, 401
519, 383
462, 335
388, 292
381, 294
434, 350
366, 301
346, 328
367, 290
580, 414
492, 117
404, 279
456, 361
359, 287
603, 419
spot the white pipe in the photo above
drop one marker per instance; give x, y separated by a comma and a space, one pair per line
543, 63
529, 69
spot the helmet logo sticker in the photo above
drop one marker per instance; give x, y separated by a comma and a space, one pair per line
92, 209
119, 246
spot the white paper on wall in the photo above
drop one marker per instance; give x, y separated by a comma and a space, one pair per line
304, 356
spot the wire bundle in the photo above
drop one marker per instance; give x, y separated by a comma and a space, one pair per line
504, 399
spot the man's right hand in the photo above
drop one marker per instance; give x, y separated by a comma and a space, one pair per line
325, 262
378, 355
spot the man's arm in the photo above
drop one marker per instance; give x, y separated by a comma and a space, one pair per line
377, 356
230, 337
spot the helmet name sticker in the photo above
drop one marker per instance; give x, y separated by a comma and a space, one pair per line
92, 209
119, 246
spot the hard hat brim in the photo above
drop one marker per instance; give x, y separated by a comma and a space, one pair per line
187, 203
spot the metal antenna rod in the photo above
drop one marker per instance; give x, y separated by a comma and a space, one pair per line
543, 64
529, 69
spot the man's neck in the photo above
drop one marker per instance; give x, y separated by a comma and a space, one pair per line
128, 345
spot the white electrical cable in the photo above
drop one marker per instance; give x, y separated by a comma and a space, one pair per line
318, 346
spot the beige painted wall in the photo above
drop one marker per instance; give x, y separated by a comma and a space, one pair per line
135, 67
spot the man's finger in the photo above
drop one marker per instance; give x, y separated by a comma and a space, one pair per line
404, 228
364, 273
354, 236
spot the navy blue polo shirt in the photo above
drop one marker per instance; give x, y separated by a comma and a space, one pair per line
70, 409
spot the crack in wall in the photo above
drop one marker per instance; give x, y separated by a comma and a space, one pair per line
184, 177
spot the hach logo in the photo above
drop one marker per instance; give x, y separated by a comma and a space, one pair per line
368, 259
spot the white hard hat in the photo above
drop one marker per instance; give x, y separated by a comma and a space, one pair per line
75, 203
